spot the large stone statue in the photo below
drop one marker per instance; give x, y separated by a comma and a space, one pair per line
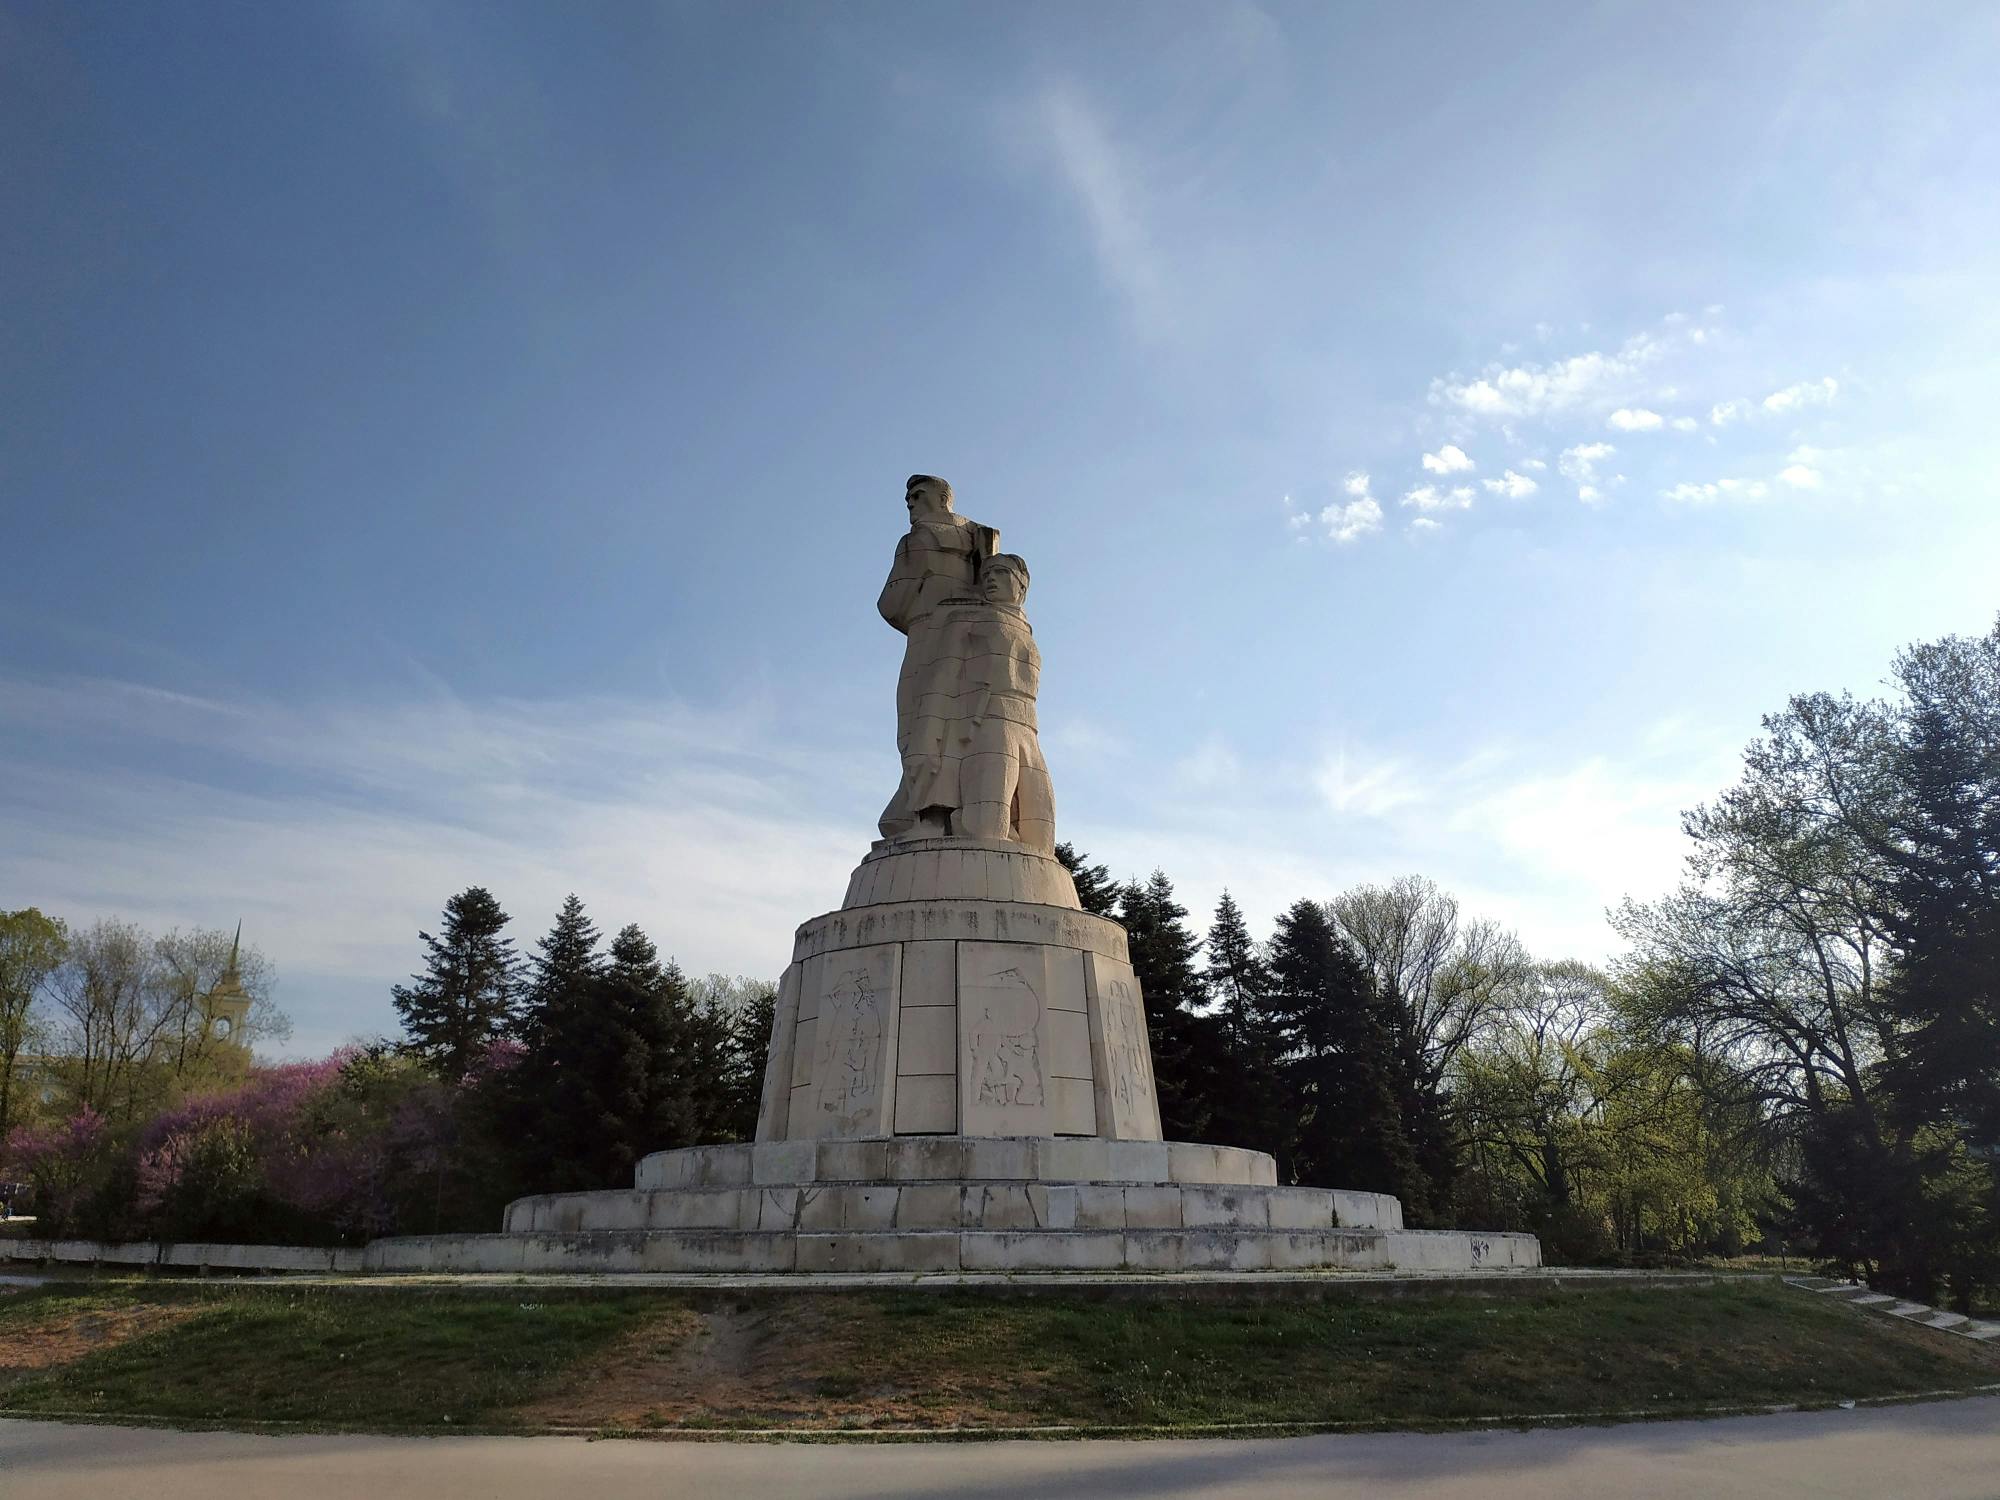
937, 561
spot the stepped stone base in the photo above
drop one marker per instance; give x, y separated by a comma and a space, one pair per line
722, 1251
957, 1204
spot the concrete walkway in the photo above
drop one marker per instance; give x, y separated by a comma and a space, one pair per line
1940, 1451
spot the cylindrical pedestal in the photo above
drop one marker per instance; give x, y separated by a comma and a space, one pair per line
959, 1017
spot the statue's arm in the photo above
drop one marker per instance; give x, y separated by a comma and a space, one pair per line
899, 594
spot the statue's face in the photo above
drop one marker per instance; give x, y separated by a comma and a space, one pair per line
926, 502
1002, 586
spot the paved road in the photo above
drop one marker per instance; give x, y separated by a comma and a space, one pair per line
1941, 1451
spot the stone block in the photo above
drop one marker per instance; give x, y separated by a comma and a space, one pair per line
1069, 1044
777, 1209
1072, 1107
1073, 1160
1013, 1159
928, 1105
716, 1166
921, 1159
930, 976
1227, 1207
783, 1161
928, 1042
1068, 990
1040, 1251
1190, 1162
1154, 1250
932, 1205
718, 1252
999, 1206
690, 1208
775, 1101
1054, 1204
1298, 1208
802, 1056
1100, 1205
1152, 1206
852, 1161
1137, 1161
897, 1251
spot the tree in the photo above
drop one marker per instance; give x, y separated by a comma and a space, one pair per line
1235, 975
188, 968
32, 948
621, 1062
465, 999
747, 1010
1187, 1046
565, 957
1097, 892
107, 1020
1943, 843
1340, 1058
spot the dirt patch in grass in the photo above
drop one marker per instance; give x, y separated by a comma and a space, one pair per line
62, 1334
809, 1362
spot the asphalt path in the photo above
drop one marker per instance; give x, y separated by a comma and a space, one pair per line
1946, 1450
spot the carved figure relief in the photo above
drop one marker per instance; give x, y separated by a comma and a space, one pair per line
849, 1062
1130, 1058
1003, 1040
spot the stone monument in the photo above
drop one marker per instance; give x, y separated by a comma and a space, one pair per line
959, 1074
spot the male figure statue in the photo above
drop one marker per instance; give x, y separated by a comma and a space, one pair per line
938, 559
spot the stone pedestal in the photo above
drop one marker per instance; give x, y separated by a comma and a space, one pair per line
960, 991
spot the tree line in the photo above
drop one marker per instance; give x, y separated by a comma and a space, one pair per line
1797, 1048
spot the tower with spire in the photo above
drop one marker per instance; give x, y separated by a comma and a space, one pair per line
224, 1007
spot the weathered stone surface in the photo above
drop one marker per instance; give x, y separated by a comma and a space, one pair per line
851, 997
1003, 1039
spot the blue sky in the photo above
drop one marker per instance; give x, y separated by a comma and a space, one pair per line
452, 444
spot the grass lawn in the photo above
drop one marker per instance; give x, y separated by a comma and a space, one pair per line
421, 1360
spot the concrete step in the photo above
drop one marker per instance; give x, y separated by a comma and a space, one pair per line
954, 1158
918, 1251
954, 1206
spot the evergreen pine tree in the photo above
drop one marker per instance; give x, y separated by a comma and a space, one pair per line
1235, 974
622, 1061
1340, 1057
1095, 889
565, 957
465, 998
1189, 1049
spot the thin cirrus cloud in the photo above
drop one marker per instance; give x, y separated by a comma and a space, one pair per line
360, 819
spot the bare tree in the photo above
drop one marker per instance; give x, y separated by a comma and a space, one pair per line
1448, 976
131, 1014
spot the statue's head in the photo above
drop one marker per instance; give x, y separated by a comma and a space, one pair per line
927, 496
1003, 579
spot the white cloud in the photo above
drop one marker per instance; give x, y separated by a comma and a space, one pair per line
1425, 523
1352, 521
1356, 484
1428, 497
1636, 419
1579, 465
1724, 412
1709, 492
1533, 463
1806, 393
1800, 477
1684, 424
1353, 786
1449, 459
1513, 486
1594, 379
